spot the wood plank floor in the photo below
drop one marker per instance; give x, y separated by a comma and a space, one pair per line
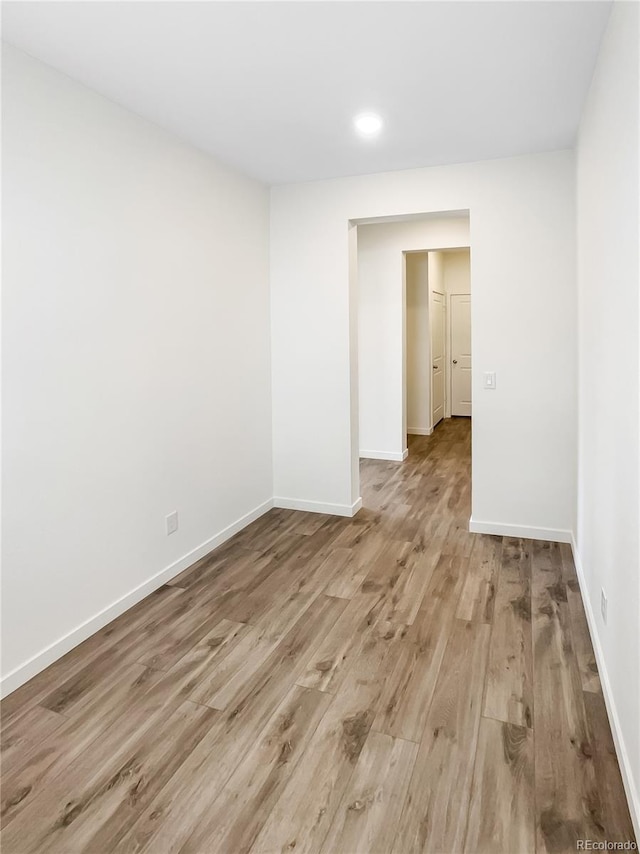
387, 684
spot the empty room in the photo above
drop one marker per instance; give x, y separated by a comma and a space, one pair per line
320, 427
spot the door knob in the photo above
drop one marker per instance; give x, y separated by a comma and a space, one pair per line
435, 367
455, 361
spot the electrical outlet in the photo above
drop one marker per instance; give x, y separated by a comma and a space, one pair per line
172, 522
603, 605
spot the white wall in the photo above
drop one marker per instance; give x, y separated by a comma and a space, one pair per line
456, 272
523, 270
135, 272
436, 272
381, 322
418, 344
608, 523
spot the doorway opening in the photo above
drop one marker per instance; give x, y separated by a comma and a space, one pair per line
400, 267
438, 337
403, 272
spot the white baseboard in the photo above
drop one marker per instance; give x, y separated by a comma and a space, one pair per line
57, 649
633, 798
318, 506
419, 431
392, 456
502, 529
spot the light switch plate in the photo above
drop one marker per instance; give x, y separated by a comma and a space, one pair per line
172, 522
489, 379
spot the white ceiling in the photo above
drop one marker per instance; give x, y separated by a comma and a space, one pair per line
272, 88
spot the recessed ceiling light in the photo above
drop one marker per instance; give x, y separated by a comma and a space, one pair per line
368, 124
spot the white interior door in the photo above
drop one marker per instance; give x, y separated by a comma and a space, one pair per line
437, 357
460, 315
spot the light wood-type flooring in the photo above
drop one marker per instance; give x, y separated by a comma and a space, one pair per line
388, 683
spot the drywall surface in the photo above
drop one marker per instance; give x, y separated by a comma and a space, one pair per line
417, 344
436, 272
522, 234
136, 357
457, 272
381, 324
608, 523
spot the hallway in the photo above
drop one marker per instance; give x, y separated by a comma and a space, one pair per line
387, 683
